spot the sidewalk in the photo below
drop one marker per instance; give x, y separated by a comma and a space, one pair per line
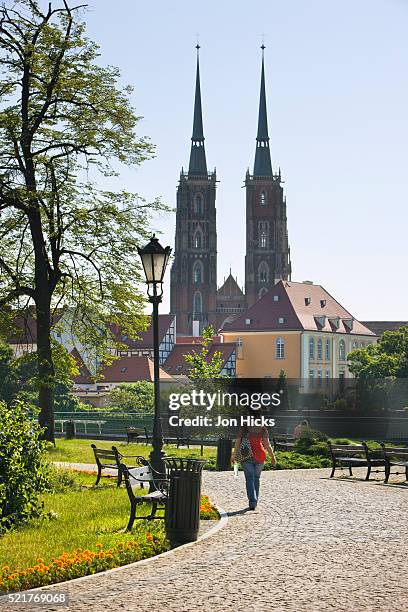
313, 544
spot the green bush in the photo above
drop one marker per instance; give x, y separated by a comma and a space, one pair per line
23, 467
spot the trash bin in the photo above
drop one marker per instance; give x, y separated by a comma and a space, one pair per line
224, 450
182, 518
69, 430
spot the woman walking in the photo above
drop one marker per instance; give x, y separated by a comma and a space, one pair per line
250, 450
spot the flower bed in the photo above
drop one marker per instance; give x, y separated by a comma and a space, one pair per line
80, 562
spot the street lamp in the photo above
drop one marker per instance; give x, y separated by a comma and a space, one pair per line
154, 260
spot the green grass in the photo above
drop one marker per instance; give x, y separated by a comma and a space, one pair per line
84, 516
80, 451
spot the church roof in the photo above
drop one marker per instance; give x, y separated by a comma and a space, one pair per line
291, 306
263, 164
198, 163
230, 288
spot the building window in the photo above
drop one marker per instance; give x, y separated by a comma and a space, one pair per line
281, 320
198, 240
198, 302
327, 377
263, 272
262, 199
280, 348
311, 348
327, 349
319, 378
320, 349
342, 350
262, 292
198, 273
198, 204
276, 298
311, 378
239, 342
263, 232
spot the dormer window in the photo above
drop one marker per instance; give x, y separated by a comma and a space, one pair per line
281, 320
334, 322
322, 303
248, 321
348, 323
308, 300
320, 320
276, 298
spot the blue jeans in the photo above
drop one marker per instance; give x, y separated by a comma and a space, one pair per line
252, 471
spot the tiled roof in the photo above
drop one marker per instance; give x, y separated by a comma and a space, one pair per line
146, 338
26, 327
84, 376
176, 364
298, 306
379, 327
230, 288
131, 369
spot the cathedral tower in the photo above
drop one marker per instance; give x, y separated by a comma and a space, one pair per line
194, 270
267, 257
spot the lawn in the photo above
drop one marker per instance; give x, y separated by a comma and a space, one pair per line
80, 451
83, 532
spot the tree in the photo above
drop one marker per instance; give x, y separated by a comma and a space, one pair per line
65, 123
8, 375
203, 367
381, 371
387, 358
132, 397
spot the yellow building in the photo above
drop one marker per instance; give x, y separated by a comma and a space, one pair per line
298, 328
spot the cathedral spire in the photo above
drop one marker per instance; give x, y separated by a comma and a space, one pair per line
198, 164
263, 165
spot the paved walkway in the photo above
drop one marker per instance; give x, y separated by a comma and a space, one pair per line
313, 544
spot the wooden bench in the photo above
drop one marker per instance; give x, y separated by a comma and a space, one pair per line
395, 457
284, 443
135, 434
355, 455
180, 439
111, 459
157, 496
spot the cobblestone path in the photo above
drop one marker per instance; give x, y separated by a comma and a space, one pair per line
313, 544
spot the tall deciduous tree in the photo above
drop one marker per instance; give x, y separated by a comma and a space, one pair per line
64, 122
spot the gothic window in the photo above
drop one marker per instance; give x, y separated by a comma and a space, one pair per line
319, 349
198, 206
197, 302
342, 350
280, 348
263, 231
198, 273
198, 240
311, 348
262, 199
327, 349
261, 293
263, 272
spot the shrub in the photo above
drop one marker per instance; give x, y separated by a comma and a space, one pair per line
23, 467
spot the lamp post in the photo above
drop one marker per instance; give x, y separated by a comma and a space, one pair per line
154, 260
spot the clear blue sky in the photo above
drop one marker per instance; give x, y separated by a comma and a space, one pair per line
337, 95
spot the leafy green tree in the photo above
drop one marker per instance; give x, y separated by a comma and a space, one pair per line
203, 367
132, 397
381, 371
65, 366
23, 467
387, 358
65, 122
8, 374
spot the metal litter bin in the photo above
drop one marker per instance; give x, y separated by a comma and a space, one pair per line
69, 430
182, 518
224, 450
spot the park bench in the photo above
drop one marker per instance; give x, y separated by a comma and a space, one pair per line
284, 443
157, 496
355, 455
111, 459
134, 434
395, 457
180, 439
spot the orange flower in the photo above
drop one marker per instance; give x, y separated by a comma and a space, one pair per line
149, 536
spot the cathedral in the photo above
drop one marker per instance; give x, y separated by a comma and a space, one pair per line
194, 297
